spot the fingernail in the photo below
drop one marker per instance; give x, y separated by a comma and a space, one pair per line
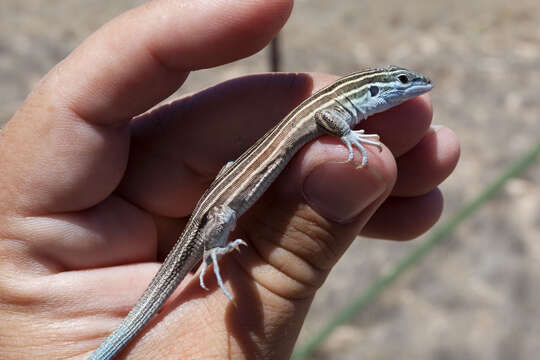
339, 192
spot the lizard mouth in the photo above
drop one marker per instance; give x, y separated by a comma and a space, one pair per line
418, 86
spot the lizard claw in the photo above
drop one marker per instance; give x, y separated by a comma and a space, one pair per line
211, 257
357, 138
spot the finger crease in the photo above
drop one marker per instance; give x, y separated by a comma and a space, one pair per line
265, 261
160, 62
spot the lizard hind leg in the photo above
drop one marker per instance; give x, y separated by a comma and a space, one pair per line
221, 220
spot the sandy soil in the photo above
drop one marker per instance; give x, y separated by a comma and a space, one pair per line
478, 295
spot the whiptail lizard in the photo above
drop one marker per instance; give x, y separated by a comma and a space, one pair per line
334, 110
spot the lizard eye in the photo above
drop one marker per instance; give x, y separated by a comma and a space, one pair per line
373, 90
403, 78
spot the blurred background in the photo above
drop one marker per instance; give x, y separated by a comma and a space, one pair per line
476, 295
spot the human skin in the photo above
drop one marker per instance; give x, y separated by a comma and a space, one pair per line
91, 199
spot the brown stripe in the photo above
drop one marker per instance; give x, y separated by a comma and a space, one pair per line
259, 155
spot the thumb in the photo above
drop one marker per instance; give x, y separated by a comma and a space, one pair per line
303, 225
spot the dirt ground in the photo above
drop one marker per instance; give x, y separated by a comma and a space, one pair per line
478, 295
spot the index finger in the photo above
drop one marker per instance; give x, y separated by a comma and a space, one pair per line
66, 148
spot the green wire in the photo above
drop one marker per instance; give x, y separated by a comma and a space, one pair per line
439, 234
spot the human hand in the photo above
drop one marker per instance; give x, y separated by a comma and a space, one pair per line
90, 200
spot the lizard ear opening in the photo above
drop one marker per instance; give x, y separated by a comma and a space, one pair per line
373, 90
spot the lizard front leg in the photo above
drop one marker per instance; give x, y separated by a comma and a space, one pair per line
332, 121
